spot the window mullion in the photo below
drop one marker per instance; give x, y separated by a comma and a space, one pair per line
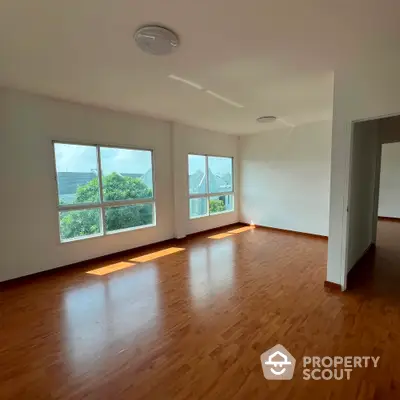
78, 207
100, 179
121, 203
207, 188
200, 195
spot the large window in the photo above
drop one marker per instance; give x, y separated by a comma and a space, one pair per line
103, 190
210, 185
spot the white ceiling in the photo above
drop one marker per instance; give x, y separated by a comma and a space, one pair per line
275, 57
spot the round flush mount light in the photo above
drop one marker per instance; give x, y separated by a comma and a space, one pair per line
156, 40
266, 119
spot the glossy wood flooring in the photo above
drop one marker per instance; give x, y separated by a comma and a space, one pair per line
193, 323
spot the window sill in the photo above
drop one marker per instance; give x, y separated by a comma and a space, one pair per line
80, 238
211, 215
135, 228
222, 212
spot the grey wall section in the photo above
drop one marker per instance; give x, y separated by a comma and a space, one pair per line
362, 202
285, 178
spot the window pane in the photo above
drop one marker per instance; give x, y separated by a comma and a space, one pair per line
77, 179
221, 204
125, 217
197, 174
220, 174
80, 223
198, 207
127, 174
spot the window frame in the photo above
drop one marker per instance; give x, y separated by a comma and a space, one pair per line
208, 195
102, 204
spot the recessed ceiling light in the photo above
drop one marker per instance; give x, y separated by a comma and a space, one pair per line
156, 40
266, 119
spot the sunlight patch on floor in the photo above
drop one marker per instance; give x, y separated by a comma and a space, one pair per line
220, 236
108, 269
157, 254
244, 229
232, 232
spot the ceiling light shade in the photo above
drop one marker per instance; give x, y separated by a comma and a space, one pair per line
266, 119
156, 40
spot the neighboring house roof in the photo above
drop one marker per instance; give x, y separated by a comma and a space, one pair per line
131, 175
68, 182
147, 178
217, 184
197, 183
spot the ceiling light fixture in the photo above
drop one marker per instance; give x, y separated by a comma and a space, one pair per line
187, 82
156, 40
266, 119
224, 99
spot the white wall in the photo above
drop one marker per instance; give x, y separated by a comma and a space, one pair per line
29, 123
389, 197
364, 171
370, 89
285, 178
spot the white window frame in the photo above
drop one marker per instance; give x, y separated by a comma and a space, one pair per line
208, 195
102, 204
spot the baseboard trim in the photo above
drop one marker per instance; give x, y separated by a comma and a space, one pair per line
114, 256
332, 286
391, 219
314, 235
213, 230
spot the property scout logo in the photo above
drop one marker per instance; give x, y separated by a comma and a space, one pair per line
278, 364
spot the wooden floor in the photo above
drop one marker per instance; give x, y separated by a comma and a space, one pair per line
193, 324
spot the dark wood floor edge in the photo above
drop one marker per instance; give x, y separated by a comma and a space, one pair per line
357, 267
114, 256
332, 286
392, 219
371, 247
293, 232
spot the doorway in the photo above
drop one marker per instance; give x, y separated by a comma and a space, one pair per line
371, 192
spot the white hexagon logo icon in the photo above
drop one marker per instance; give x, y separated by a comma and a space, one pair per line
278, 364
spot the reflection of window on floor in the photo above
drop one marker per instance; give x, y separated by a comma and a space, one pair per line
210, 185
94, 316
212, 272
118, 266
103, 190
